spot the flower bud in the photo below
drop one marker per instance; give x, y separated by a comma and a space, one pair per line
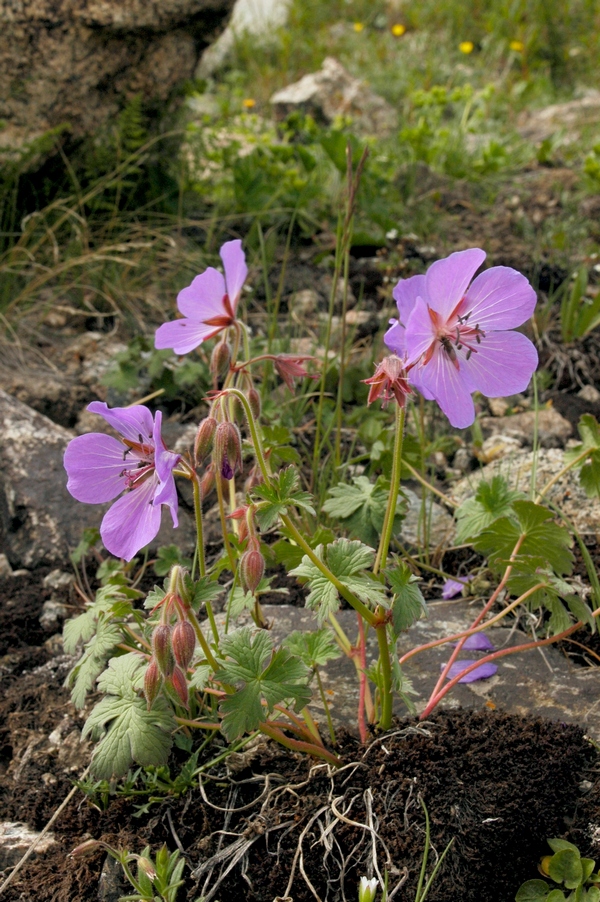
152, 682
227, 451
163, 652
89, 845
367, 889
254, 402
255, 478
204, 439
146, 866
220, 360
184, 643
178, 682
207, 483
252, 569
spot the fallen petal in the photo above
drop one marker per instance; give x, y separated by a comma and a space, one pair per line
483, 672
477, 642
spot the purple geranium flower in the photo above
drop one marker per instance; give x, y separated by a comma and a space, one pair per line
484, 672
453, 332
100, 467
208, 305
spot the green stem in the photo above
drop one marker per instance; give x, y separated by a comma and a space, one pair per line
428, 485
325, 706
223, 520
199, 527
343, 590
390, 513
256, 439
340, 392
385, 721
202, 640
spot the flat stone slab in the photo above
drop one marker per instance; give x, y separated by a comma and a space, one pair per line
540, 682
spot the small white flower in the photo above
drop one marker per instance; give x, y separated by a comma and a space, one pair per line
367, 889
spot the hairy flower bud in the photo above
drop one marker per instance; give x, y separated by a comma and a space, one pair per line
184, 643
163, 652
220, 360
204, 439
178, 682
252, 569
152, 682
207, 483
227, 451
254, 402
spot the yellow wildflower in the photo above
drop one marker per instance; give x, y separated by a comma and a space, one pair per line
466, 46
248, 103
358, 27
398, 30
517, 46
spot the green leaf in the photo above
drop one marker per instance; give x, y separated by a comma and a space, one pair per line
205, 589
315, 648
589, 467
264, 675
93, 660
361, 506
543, 542
557, 845
533, 891
565, 867
287, 552
556, 895
239, 601
588, 866
91, 537
277, 497
347, 561
492, 500
128, 732
592, 894
167, 557
408, 605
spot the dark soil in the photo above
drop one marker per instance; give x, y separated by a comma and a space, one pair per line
497, 785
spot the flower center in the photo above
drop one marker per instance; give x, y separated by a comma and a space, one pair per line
142, 459
455, 334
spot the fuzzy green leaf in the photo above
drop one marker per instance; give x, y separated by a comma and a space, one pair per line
277, 497
347, 560
93, 660
361, 506
128, 732
544, 544
167, 556
263, 675
565, 867
315, 648
408, 605
492, 500
204, 590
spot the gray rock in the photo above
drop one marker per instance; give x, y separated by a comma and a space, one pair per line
516, 468
553, 429
5, 568
39, 520
333, 92
528, 683
53, 615
16, 839
77, 61
258, 18
431, 522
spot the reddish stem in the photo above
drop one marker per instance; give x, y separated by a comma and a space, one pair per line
362, 652
436, 698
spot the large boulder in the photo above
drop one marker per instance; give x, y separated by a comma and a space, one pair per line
77, 61
39, 520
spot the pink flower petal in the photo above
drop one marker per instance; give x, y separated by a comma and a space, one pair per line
234, 262
420, 332
406, 293
94, 464
131, 422
183, 335
453, 587
132, 521
484, 672
502, 364
203, 299
500, 298
450, 387
477, 642
395, 338
447, 280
